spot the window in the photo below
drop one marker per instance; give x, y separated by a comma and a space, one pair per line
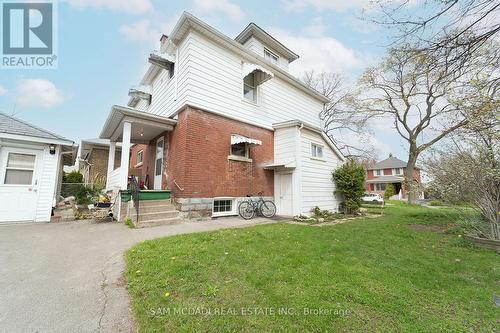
397, 171
20, 169
378, 172
249, 88
171, 69
270, 56
223, 207
140, 154
316, 150
380, 187
240, 149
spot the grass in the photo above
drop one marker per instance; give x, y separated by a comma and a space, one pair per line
366, 275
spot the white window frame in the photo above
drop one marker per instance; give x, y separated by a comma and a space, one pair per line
4, 171
228, 213
378, 187
141, 153
378, 172
395, 172
314, 151
271, 56
255, 88
245, 158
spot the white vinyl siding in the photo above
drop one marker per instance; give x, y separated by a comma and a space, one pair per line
285, 145
169, 93
210, 78
316, 175
47, 184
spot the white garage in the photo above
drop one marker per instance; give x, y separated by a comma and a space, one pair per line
31, 166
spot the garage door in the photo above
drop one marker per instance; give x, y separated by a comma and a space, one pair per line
19, 184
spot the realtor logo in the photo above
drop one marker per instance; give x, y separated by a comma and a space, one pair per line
28, 34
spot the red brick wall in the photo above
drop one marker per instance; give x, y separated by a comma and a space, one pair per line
198, 157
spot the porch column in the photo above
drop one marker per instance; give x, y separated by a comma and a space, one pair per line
111, 161
127, 129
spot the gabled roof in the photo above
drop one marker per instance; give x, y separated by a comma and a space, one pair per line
17, 127
254, 30
388, 163
326, 138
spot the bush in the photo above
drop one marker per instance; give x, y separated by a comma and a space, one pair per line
390, 190
72, 177
436, 202
85, 195
350, 182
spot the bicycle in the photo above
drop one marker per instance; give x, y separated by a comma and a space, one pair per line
248, 208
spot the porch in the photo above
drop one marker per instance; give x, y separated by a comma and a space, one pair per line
130, 126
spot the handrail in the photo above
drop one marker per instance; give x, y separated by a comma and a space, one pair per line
134, 191
180, 188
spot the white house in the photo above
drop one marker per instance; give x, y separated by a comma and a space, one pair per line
31, 166
221, 118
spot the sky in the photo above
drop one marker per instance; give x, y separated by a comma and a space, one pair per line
103, 46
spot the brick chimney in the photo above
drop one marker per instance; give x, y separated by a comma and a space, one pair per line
163, 39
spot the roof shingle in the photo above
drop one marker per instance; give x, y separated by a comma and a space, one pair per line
11, 125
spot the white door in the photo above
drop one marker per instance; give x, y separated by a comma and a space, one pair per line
19, 173
285, 195
159, 163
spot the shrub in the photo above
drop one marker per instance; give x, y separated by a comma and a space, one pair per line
85, 195
436, 202
73, 177
128, 222
390, 190
350, 180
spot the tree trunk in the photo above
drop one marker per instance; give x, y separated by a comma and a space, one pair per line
411, 185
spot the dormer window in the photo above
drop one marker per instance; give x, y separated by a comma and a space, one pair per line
270, 56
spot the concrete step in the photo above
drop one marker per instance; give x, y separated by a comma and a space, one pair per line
156, 209
148, 203
143, 216
157, 222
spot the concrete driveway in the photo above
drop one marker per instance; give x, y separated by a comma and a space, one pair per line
67, 277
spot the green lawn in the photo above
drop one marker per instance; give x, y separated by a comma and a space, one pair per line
378, 274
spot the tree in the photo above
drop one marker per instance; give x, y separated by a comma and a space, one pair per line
460, 27
389, 191
350, 182
415, 93
341, 120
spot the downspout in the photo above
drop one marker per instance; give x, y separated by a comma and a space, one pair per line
297, 174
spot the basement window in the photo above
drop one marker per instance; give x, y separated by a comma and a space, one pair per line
223, 207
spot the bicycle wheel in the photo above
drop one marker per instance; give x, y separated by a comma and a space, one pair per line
245, 209
268, 209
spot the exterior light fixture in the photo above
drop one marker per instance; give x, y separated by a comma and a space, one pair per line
52, 149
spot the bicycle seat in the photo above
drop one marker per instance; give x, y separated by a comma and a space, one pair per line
248, 195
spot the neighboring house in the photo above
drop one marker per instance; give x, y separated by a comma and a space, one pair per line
93, 160
222, 118
31, 166
389, 171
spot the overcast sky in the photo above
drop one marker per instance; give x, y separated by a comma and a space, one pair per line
104, 44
